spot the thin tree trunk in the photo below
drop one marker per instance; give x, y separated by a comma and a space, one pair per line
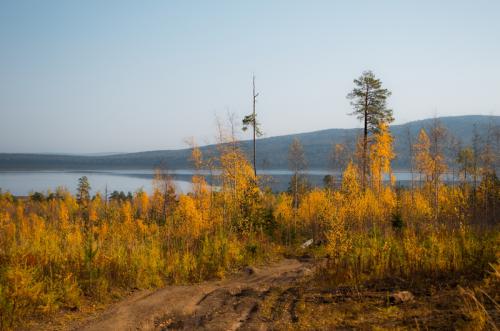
365, 142
410, 149
296, 202
254, 130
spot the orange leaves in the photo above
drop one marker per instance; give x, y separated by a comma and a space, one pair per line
350, 183
202, 195
22, 290
239, 189
141, 204
237, 174
316, 213
283, 211
422, 156
189, 221
430, 161
126, 213
381, 155
196, 157
63, 216
315, 207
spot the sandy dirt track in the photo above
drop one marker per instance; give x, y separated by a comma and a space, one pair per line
214, 305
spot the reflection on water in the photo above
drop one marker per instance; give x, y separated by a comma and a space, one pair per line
24, 182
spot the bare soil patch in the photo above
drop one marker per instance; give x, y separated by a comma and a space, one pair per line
284, 296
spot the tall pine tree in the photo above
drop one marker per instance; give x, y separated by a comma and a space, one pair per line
369, 99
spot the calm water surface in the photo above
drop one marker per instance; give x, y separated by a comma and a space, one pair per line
25, 182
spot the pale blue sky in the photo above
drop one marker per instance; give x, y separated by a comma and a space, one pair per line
119, 76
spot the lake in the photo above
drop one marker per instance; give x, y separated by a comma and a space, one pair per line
22, 183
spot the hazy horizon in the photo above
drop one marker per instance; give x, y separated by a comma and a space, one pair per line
244, 139
121, 77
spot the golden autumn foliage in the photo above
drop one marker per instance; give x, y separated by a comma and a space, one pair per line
57, 252
381, 155
422, 155
189, 220
350, 184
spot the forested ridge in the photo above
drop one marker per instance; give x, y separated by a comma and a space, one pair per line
272, 150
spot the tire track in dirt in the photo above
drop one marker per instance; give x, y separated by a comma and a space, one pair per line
214, 305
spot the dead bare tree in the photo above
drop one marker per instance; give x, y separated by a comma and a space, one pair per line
251, 120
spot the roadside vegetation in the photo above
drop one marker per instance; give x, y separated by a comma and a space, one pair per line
58, 251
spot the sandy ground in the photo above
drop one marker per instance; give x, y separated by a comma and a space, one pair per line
287, 295
213, 305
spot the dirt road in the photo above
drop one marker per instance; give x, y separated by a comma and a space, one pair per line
214, 305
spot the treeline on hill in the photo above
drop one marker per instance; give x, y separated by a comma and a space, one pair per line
60, 251
318, 147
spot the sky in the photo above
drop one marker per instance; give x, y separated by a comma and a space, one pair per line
125, 76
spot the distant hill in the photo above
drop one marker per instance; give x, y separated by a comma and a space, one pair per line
272, 151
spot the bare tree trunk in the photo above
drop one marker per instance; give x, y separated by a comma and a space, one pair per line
475, 167
296, 202
254, 130
365, 142
106, 203
410, 159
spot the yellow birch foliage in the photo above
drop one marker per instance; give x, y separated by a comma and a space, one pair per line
423, 157
189, 220
350, 183
424, 161
141, 204
381, 155
47, 264
315, 212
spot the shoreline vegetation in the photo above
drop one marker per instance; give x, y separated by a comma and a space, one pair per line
62, 251
272, 151
129, 181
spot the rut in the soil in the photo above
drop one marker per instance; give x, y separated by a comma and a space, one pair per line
217, 305
224, 309
236, 308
